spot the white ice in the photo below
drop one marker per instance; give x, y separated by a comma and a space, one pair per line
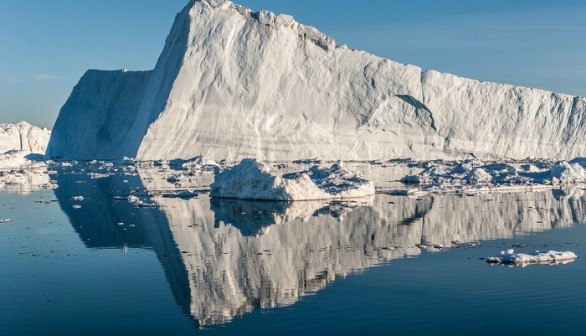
254, 180
22, 149
474, 175
232, 83
550, 257
23, 136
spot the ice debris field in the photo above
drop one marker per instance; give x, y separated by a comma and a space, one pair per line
471, 176
304, 179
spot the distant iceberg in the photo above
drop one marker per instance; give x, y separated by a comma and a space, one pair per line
22, 152
23, 136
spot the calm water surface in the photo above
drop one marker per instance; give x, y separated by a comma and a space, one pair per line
203, 266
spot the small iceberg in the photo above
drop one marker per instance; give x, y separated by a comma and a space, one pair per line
197, 163
253, 180
509, 257
565, 172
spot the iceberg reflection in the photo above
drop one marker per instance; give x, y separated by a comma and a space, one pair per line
223, 258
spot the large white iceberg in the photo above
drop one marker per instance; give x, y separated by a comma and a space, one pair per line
231, 83
254, 180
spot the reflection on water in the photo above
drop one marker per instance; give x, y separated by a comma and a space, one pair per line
223, 258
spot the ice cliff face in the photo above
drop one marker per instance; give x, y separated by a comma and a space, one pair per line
23, 136
231, 83
95, 122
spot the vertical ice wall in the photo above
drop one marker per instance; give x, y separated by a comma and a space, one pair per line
231, 83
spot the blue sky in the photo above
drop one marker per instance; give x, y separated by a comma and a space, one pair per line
46, 46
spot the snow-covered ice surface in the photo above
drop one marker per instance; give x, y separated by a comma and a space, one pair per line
549, 258
231, 83
253, 180
16, 159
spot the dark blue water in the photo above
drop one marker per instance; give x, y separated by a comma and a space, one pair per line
210, 267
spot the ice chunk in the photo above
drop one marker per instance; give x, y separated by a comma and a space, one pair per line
565, 172
183, 194
14, 159
550, 257
196, 163
479, 175
579, 160
254, 180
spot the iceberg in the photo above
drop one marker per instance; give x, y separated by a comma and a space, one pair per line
550, 257
254, 180
22, 151
22, 144
232, 83
23, 136
565, 172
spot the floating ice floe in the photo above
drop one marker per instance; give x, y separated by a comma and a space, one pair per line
473, 175
579, 160
182, 171
182, 194
24, 171
20, 159
140, 203
193, 164
550, 257
565, 172
254, 180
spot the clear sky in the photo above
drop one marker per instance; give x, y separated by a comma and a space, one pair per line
46, 46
